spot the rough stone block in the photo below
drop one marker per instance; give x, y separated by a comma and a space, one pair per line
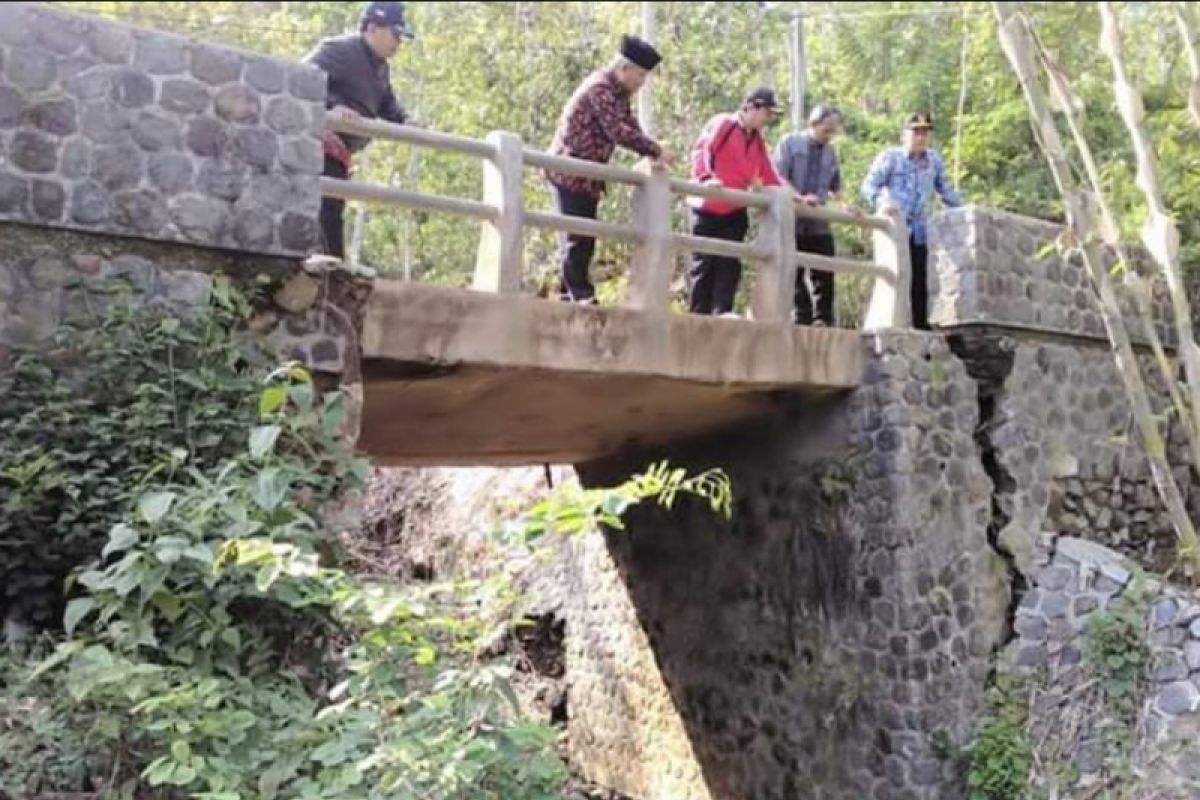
49, 199
253, 229
286, 116
156, 132
118, 167
257, 147
1171, 667
90, 204
160, 54
302, 155
298, 233
104, 123
33, 71
186, 289
12, 106
307, 82
1181, 697
15, 23
58, 116
170, 173
34, 151
184, 96
110, 43
201, 219
265, 75
215, 65
131, 89
222, 178
208, 137
143, 211
237, 103
14, 193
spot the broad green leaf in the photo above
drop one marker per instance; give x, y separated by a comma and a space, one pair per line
270, 488
262, 440
121, 537
271, 400
181, 751
302, 396
77, 609
153, 507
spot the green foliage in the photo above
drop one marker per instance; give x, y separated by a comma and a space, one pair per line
122, 399
1000, 758
213, 653
1116, 652
573, 510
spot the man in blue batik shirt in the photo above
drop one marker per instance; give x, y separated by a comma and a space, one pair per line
902, 181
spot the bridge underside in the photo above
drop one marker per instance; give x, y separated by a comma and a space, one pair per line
457, 377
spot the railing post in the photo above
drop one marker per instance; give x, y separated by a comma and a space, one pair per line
498, 265
890, 305
775, 288
649, 287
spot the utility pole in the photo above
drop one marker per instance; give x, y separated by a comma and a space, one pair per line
799, 71
646, 95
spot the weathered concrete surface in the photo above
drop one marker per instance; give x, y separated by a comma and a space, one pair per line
461, 377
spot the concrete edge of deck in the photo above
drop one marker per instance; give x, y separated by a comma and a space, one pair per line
410, 323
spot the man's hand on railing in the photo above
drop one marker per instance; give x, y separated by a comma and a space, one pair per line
809, 199
342, 112
665, 160
416, 123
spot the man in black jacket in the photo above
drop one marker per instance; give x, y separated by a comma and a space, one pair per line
359, 86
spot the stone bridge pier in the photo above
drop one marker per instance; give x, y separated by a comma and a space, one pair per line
834, 639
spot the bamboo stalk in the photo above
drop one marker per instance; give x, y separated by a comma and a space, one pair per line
1016, 39
1110, 231
1185, 15
1160, 234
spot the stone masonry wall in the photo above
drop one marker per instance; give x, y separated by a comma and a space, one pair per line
48, 279
818, 645
108, 128
1075, 581
990, 267
1065, 448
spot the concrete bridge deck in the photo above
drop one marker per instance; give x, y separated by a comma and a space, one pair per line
454, 376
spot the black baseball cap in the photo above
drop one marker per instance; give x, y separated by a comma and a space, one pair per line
763, 97
390, 14
640, 52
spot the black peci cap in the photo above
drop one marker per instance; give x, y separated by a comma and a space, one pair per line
918, 119
640, 52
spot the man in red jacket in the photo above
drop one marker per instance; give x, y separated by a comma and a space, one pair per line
730, 152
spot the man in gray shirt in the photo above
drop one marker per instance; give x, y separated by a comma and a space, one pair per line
807, 161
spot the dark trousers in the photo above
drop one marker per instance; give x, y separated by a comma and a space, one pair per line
918, 255
816, 306
714, 279
575, 252
333, 237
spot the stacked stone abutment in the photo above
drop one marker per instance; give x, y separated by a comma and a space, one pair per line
844, 624
153, 165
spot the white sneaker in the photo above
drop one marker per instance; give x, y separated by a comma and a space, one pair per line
730, 315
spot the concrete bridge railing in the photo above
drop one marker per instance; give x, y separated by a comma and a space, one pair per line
505, 216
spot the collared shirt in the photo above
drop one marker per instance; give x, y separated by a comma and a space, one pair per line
358, 80
911, 182
737, 157
596, 119
811, 168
